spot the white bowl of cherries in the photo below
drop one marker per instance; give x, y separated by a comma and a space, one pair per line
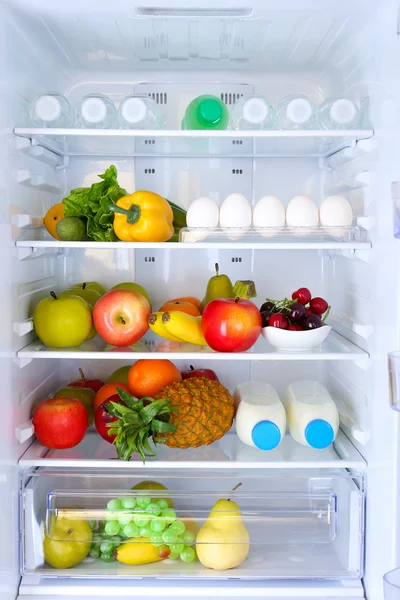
297, 324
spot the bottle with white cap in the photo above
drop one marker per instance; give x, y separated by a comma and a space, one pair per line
50, 110
312, 415
339, 113
260, 415
251, 112
96, 111
140, 112
295, 112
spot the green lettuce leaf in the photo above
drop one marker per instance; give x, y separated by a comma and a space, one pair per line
94, 204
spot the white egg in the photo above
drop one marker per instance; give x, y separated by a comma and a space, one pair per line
269, 212
235, 216
235, 211
335, 211
302, 212
203, 212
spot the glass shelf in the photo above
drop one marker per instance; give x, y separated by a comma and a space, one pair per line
228, 453
122, 143
335, 347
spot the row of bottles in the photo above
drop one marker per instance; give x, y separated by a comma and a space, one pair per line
255, 112
96, 111
252, 112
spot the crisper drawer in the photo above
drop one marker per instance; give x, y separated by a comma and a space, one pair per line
278, 524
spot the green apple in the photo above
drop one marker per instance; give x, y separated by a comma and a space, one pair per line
62, 322
120, 374
135, 287
67, 543
90, 295
84, 395
91, 285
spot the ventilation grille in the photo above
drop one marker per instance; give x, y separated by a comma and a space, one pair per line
159, 97
229, 98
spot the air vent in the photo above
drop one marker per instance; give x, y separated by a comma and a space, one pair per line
159, 97
230, 98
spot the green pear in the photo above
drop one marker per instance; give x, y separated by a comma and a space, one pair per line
67, 543
223, 542
84, 395
219, 286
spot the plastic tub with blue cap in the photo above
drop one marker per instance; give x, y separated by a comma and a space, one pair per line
260, 415
312, 415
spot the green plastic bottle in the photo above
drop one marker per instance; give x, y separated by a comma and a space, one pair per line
206, 112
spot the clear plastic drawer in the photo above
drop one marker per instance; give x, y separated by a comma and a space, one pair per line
273, 525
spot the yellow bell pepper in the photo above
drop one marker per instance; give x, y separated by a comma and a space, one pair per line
143, 217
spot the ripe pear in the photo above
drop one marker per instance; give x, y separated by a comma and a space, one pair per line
223, 542
219, 286
67, 543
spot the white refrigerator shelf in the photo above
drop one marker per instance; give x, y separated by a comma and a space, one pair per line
200, 143
227, 453
335, 347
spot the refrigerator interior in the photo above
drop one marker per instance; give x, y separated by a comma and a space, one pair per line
175, 54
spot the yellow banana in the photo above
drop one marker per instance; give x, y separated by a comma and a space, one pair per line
184, 326
157, 326
137, 551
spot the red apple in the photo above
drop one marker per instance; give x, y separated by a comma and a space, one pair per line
120, 317
93, 384
60, 422
102, 418
231, 324
192, 372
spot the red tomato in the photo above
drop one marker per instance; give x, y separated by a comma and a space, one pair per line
102, 418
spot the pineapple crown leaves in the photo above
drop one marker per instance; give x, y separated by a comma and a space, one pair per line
139, 419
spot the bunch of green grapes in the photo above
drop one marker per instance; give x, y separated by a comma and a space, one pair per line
102, 545
144, 517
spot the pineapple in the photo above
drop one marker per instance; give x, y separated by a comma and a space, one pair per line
186, 414
206, 411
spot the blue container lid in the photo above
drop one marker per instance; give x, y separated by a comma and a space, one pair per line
319, 434
266, 435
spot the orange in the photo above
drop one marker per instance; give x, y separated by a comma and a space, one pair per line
190, 299
185, 307
109, 389
147, 377
53, 215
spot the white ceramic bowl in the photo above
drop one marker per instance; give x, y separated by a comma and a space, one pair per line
295, 340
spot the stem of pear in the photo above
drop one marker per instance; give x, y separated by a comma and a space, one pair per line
236, 487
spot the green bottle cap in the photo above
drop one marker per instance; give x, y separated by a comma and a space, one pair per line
209, 111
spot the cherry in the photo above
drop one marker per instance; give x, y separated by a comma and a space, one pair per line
295, 327
278, 320
265, 317
312, 322
308, 311
267, 306
319, 306
302, 295
297, 312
